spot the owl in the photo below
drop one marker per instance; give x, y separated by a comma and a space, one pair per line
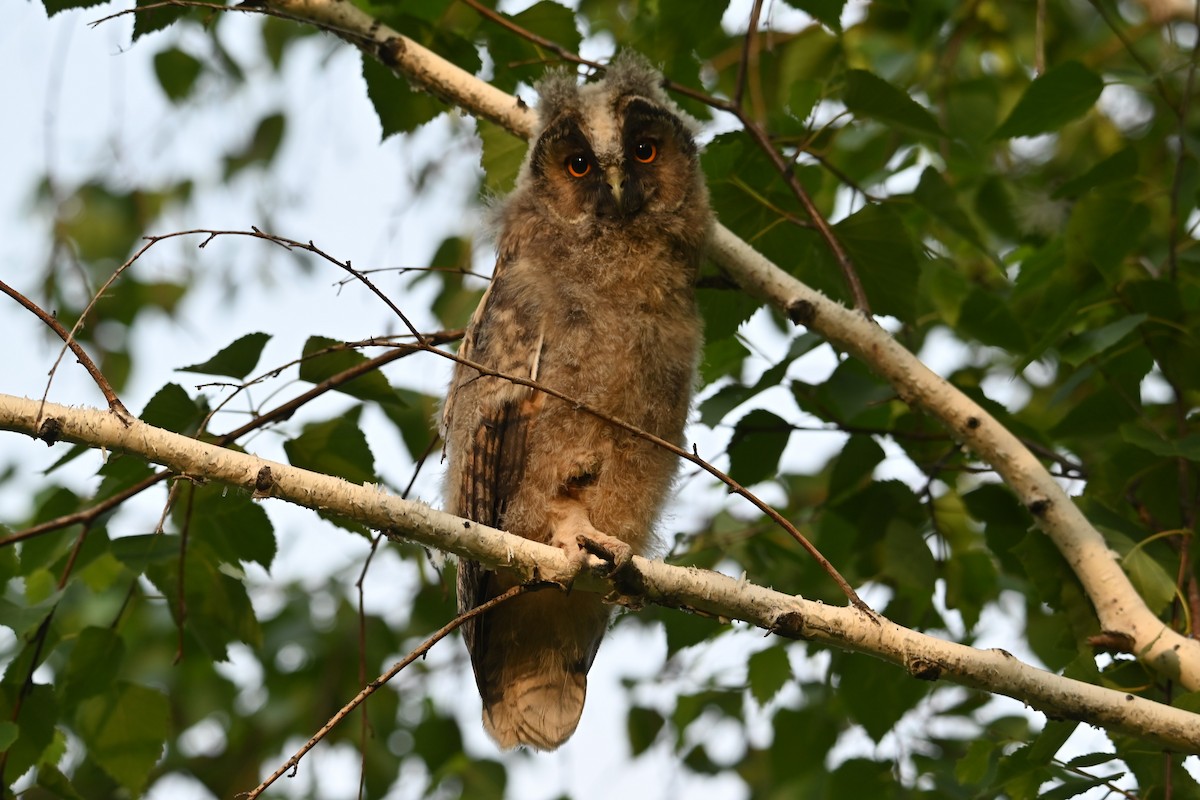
592, 295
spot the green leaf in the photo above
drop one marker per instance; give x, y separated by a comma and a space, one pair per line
768, 671
989, 318
685, 630
94, 664
868, 95
1103, 230
1064, 93
643, 725
262, 147
125, 731
827, 12
854, 465
141, 550
323, 359
23, 619
171, 409
401, 109
177, 72
35, 726
725, 311
518, 59
8, 734
973, 767
500, 157
759, 439
1186, 447
237, 528
1079, 349
54, 6
876, 694
936, 195
154, 19
218, 610
884, 256
236, 360
336, 447
1120, 166
58, 784
1155, 585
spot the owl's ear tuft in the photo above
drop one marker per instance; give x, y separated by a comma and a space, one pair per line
630, 72
558, 92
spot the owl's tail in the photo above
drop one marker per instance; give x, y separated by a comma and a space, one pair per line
537, 709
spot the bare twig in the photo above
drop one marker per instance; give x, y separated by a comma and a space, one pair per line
114, 402
370, 688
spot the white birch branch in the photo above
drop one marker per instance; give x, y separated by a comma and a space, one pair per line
689, 588
1119, 607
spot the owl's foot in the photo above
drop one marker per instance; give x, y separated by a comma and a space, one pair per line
617, 553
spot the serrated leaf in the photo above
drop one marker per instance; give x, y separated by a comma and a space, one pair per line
500, 157
235, 360
154, 19
336, 447
173, 410
323, 359
36, 727
400, 108
724, 311
237, 528
54, 6
876, 694
884, 256
54, 781
768, 671
125, 731
759, 439
868, 95
1064, 93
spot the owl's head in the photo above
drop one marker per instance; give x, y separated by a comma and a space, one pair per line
613, 153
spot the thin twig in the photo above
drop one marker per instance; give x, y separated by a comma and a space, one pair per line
114, 402
293, 762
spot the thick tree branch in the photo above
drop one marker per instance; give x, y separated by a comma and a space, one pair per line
1118, 605
688, 588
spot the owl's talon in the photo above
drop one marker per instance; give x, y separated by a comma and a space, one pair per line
617, 553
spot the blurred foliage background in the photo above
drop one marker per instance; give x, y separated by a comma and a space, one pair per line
1017, 185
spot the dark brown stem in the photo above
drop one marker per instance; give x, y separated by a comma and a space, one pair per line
114, 402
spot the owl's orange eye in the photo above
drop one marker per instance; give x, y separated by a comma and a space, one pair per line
645, 152
578, 166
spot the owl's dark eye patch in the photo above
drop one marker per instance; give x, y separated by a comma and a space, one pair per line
645, 151
578, 165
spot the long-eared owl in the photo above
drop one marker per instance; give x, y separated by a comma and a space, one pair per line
592, 295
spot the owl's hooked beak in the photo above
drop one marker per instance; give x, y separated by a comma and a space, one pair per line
616, 182
619, 202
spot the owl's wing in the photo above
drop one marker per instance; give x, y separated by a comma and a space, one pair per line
491, 419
